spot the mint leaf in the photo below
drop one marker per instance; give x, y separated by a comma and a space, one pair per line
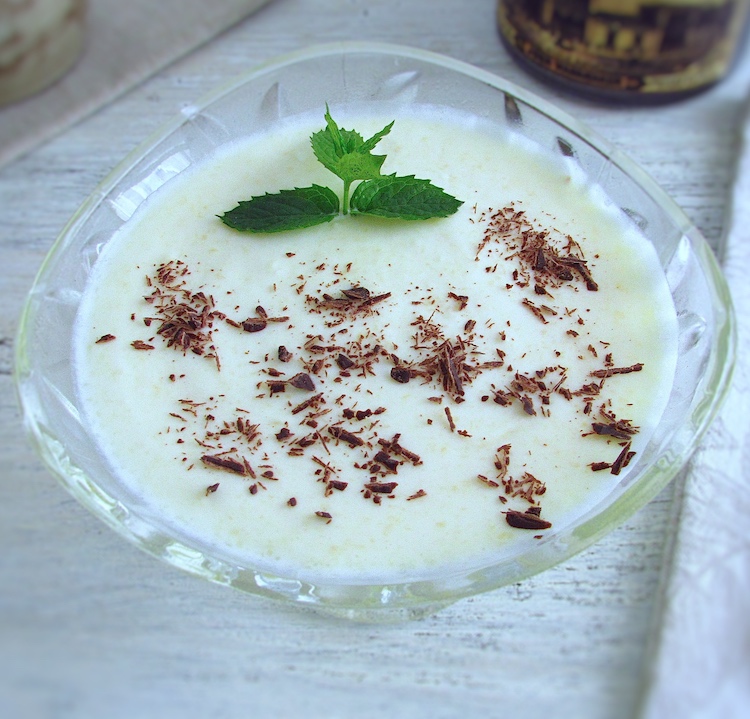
345, 153
329, 151
285, 210
339, 144
351, 164
404, 198
375, 139
359, 167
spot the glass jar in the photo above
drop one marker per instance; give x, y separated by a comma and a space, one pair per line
39, 42
626, 48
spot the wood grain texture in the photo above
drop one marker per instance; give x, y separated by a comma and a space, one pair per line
91, 627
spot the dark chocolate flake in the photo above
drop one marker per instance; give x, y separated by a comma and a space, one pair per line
231, 465
401, 374
391, 463
623, 459
611, 371
526, 520
381, 487
302, 381
307, 403
357, 293
141, 345
610, 430
344, 362
345, 436
277, 386
283, 433
528, 405
254, 324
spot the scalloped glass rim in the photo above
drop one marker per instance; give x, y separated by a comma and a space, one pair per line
707, 330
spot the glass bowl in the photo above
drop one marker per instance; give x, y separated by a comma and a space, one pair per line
394, 76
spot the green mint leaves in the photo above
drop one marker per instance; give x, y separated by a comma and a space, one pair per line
286, 210
349, 156
404, 198
345, 153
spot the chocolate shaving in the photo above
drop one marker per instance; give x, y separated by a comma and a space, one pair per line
377, 298
462, 300
141, 345
526, 520
254, 325
381, 487
345, 436
302, 381
394, 446
535, 310
354, 300
390, 463
105, 338
486, 480
231, 465
503, 398
344, 362
357, 293
611, 430
502, 461
580, 266
623, 459
611, 371
527, 404
283, 433
401, 374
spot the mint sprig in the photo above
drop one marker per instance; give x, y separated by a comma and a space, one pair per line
348, 156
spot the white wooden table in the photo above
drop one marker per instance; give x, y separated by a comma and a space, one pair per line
91, 627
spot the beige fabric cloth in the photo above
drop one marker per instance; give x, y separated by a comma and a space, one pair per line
127, 40
701, 663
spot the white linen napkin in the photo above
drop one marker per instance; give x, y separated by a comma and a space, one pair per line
701, 665
127, 40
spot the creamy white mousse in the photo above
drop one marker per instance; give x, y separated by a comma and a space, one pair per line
368, 399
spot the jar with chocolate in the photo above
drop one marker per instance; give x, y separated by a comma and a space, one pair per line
646, 49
